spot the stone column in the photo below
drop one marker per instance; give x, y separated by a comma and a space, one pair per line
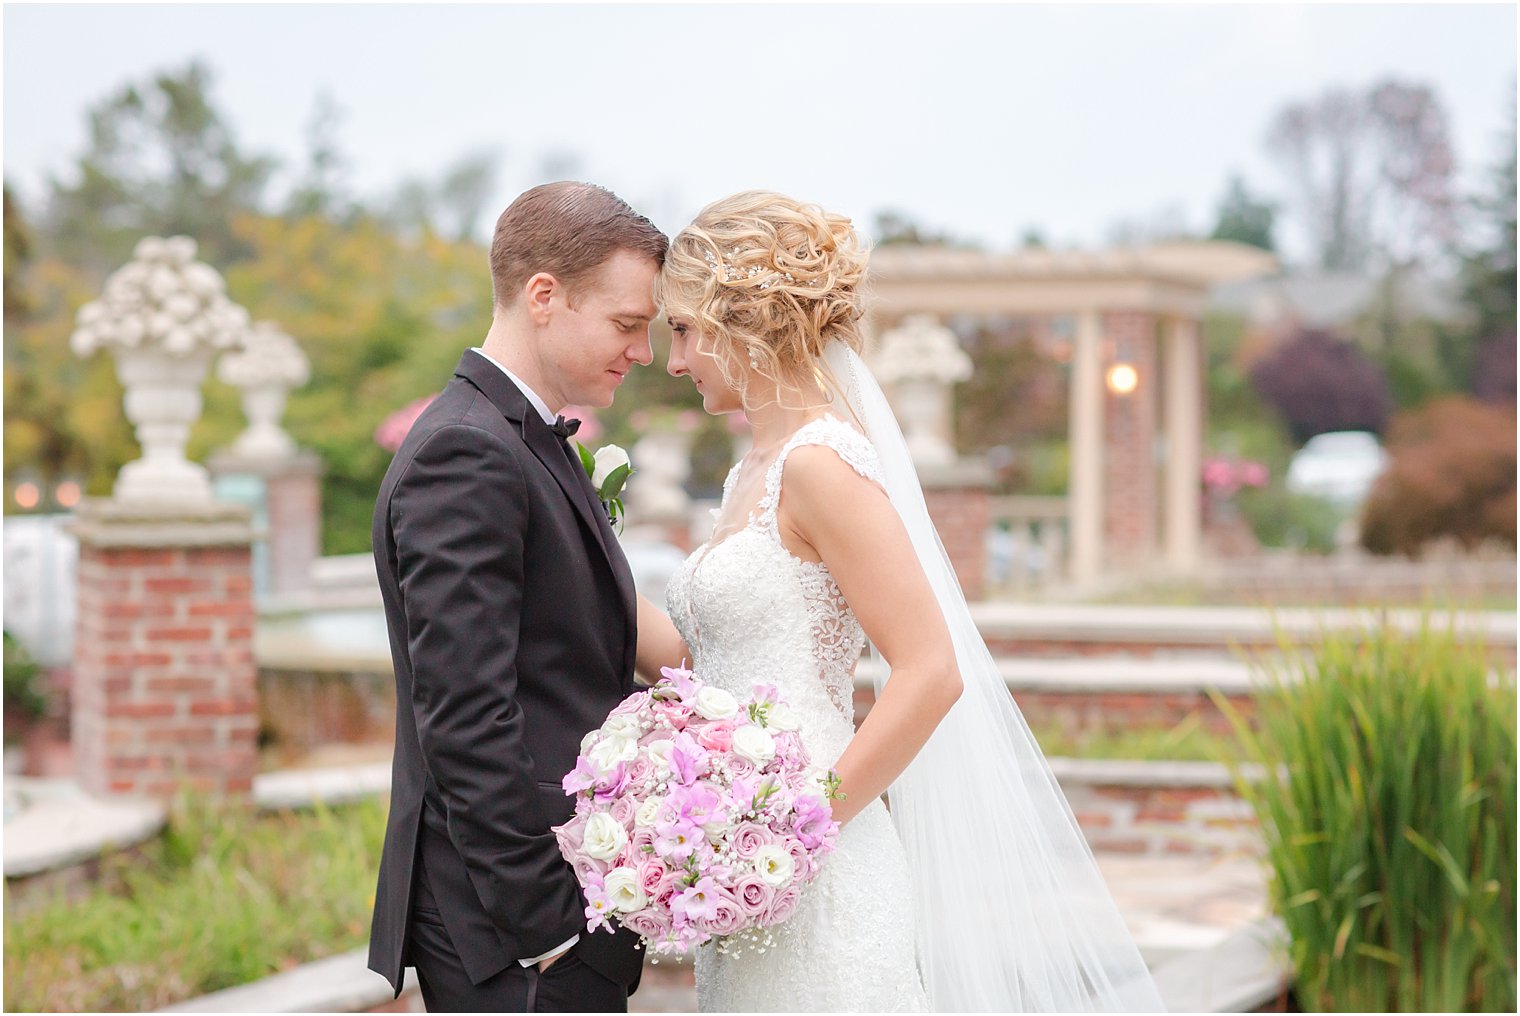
165, 684
1085, 486
1132, 498
1184, 444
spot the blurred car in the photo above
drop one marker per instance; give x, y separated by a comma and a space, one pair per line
1339, 466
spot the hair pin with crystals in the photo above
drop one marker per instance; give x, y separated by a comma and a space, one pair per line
730, 273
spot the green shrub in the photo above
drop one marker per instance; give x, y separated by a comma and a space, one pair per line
1451, 474
1389, 819
224, 897
1280, 518
23, 694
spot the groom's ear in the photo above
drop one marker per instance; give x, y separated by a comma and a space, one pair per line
538, 296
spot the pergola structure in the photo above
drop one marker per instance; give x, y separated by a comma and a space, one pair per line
1136, 357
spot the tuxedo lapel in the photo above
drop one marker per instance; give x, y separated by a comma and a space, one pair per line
556, 457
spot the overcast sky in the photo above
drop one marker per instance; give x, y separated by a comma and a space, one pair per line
983, 120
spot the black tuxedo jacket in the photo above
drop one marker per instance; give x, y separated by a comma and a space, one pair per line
511, 616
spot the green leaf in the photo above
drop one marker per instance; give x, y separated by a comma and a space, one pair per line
614, 482
588, 461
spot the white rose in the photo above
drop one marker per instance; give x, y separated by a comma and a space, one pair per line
781, 717
607, 459
715, 704
648, 812
754, 744
605, 837
622, 886
586, 741
623, 726
659, 753
609, 751
774, 865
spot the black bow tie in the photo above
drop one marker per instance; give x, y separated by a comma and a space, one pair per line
563, 428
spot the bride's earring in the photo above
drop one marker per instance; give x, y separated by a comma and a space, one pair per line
754, 359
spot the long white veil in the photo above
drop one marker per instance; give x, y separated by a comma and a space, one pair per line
1012, 912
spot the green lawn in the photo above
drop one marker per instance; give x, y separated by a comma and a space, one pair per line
222, 898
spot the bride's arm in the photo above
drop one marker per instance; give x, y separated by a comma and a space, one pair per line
851, 525
659, 644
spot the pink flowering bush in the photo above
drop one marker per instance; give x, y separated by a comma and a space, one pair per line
697, 816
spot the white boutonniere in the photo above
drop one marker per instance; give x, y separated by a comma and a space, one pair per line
609, 470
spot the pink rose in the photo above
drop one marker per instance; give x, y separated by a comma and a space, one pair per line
639, 771
753, 894
726, 917
649, 923
640, 838
676, 713
738, 768
782, 906
623, 810
717, 736
652, 874
630, 706
748, 837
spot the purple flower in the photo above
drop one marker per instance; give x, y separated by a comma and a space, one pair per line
812, 820
598, 905
582, 778
697, 903
682, 681
611, 785
766, 694
676, 839
688, 760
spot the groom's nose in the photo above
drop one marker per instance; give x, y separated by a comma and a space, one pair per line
642, 352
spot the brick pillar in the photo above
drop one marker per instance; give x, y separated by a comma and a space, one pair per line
165, 685
286, 497
1131, 491
959, 501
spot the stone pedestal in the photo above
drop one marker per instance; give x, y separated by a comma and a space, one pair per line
164, 676
958, 497
285, 496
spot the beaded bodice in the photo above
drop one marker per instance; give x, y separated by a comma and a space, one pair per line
752, 612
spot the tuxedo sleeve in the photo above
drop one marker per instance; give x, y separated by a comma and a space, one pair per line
460, 516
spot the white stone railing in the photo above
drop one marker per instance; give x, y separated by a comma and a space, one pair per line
1028, 540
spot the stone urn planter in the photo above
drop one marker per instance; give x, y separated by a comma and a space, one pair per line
163, 316
265, 369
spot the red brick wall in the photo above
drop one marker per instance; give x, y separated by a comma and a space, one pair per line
164, 683
962, 515
1131, 492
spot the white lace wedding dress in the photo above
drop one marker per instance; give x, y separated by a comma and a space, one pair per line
751, 612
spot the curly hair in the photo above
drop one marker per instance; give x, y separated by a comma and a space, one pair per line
770, 281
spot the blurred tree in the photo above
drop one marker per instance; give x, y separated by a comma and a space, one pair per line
897, 228
452, 205
1033, 239
18, 251
322, 188
1319, 383
1245, 218
1014, 406
1373, 173
383, 319
1488, 283
161, 160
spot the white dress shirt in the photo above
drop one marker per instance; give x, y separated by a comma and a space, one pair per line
543, 411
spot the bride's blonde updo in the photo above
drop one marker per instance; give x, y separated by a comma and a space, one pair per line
770, 282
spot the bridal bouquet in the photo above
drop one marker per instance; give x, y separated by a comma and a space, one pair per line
697, 816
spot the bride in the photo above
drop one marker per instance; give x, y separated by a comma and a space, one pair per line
977, 891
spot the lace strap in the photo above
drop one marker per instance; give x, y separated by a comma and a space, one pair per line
848, 443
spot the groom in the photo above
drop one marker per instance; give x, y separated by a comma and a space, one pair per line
511, 614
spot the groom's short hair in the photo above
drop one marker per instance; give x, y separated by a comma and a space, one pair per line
568, 230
